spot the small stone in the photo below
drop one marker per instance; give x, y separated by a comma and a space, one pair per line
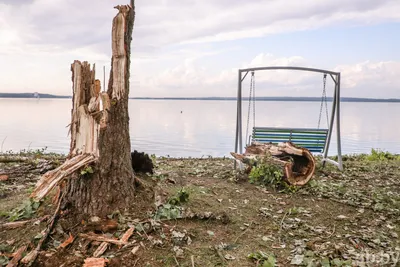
266, 238
229, 257
341, 217
3, 178
94, 219
211, 233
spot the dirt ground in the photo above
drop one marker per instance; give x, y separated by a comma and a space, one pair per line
207, 214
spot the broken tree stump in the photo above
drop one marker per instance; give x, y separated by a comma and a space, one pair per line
296, 163
97, 177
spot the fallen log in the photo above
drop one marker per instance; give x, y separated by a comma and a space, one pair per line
297, 163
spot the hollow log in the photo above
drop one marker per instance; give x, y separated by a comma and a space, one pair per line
97, 177
297, 163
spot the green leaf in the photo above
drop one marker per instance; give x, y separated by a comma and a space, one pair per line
325, 262
336, 262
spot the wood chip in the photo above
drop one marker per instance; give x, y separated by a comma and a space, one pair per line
135, 249
94, 237
68, 241
17, 257
100, 250
95, 262
127, 234
30, 257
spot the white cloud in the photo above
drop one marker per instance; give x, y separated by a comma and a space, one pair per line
371, 78
39, 39
365, 79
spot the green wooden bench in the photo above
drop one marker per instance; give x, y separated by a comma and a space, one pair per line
312, 139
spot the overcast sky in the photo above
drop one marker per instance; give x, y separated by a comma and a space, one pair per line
194, 47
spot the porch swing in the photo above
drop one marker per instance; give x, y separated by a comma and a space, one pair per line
316, 140
313, 139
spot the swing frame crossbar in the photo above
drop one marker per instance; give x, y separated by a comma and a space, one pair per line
334, 115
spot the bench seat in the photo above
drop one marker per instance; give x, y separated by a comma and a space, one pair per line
312, 139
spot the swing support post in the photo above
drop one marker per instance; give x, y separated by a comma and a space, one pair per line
335, 111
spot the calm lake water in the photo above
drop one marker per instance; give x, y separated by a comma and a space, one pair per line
203, 128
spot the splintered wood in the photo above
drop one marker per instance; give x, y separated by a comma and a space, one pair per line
297, 163
127, 234
52, 178
95, 262
86, 102
100, 250
17, 257
94, 237
119, 52
89, 115
67, 242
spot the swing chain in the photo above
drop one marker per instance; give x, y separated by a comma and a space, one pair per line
254, 98
252, 84
323, 99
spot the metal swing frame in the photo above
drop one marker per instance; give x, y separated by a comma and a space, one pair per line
334, 114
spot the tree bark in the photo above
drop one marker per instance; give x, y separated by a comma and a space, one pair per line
297, 163
99, 133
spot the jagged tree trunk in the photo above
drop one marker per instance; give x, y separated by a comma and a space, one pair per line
99, 133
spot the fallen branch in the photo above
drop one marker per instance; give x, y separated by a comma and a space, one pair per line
281, 225
242, 233
192, 259
94, 237
17, 257
220, 254
11, 159
13, 225
31, 257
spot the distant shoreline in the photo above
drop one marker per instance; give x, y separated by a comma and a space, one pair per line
279, 98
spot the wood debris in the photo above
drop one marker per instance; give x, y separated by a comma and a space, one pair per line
135, 249
100, 238
127, 234
100, 250
67, 241
9, 159
95, 262
17, 257
13, 225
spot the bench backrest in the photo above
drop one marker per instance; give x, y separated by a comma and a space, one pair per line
312, 139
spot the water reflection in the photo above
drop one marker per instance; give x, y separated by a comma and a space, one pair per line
202, 128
